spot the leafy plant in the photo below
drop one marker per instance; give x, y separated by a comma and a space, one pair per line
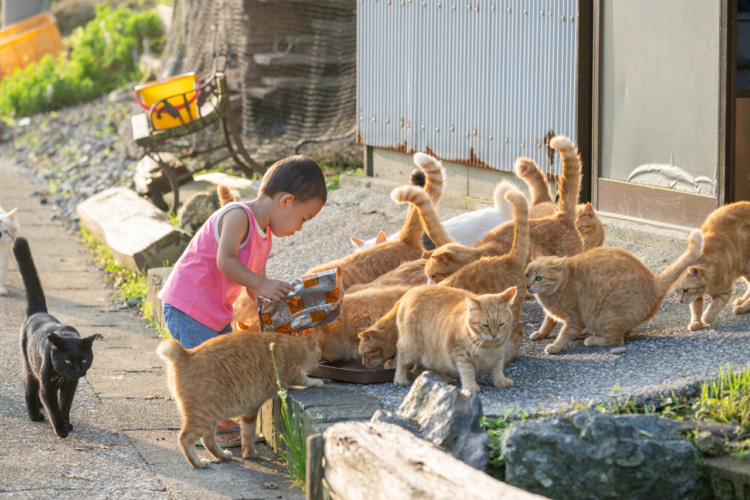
292, 434
496, 428
102, 58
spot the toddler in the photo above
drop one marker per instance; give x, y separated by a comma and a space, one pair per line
230, 251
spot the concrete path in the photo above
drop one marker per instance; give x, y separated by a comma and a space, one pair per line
124, 442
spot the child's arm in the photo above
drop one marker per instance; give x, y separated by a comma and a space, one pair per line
232, 230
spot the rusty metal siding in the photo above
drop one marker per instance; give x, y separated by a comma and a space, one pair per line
478, 82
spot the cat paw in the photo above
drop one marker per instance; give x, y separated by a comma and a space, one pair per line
504, 382
248, 452
203, 463
552, 349
62, 432
738, 309
37, 418
226, 455
696, 325
472, 388
537, 336
401, 382
314, 382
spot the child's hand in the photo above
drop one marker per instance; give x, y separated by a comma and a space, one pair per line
275, 289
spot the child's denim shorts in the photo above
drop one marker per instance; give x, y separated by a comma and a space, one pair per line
189, 332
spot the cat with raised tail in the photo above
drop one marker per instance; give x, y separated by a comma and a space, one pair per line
606, 291
556, 235
8, 231
54, 355
367, 265
488, 275
233, 375
726, 257
543, 205
467, 228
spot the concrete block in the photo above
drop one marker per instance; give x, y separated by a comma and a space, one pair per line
155, 279
320, 408
730, 477
139, 235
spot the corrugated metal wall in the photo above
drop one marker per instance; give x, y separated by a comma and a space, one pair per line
479, 82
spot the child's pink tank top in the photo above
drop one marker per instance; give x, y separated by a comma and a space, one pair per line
197, 287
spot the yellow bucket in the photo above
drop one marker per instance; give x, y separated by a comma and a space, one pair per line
149, 94
28, 41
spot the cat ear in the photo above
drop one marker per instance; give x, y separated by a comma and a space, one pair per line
560, 265
242, 326
87, 341
472, 304
56, 340
12, 214
380, 238
356, 242
588, 211
314, 336
508, 294
694, 271
427, 255
536, 252
365, 336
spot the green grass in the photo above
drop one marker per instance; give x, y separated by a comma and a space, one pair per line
291, 434
725, 400
129, 286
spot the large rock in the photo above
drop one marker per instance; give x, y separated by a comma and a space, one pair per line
139, 235
445, 415
586, 454
150, 181
195, 211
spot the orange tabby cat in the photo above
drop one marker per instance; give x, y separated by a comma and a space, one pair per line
377, 344
360, 310
409, 274
232, 375
726, 257
606, 291
493, 274
587, 222
556, 235
367, 265
454, 332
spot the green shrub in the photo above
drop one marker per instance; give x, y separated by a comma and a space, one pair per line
101, 59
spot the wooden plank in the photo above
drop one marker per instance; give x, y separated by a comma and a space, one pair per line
314, 468
140, 128
381, 461
294, 59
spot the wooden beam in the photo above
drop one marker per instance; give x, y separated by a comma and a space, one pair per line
381, 461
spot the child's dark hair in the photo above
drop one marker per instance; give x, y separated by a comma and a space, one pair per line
297, 175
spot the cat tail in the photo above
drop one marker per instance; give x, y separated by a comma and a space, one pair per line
35, 301
570, 182
530, 172
501, 204
519, 253
171, 350
225, 195
694, 252
411, 233
427, 213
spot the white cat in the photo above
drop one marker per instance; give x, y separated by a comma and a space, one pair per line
8, 230
467, 228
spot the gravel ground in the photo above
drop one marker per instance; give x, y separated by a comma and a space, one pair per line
662, 355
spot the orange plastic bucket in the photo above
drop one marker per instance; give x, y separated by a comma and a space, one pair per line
28, 41
172, 88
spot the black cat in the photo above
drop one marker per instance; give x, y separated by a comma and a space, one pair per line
54, 355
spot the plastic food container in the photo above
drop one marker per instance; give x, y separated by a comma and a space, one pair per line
149, 94
27, 41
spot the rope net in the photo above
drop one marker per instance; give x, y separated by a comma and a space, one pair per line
291, 66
